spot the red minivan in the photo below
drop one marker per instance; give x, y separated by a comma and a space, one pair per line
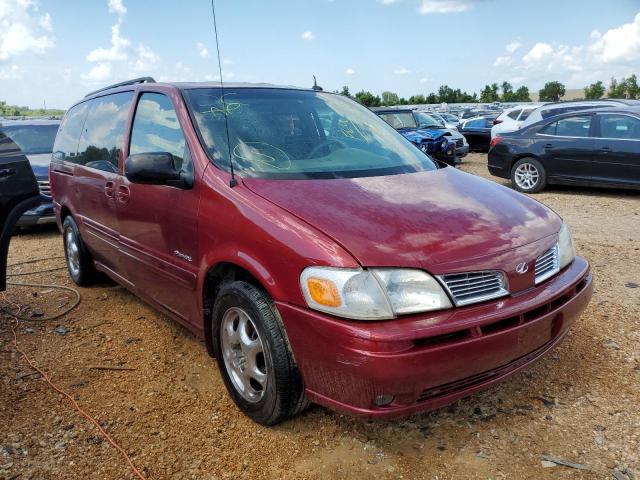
319, 254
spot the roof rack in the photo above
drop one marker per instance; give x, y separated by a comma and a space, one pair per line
122, 84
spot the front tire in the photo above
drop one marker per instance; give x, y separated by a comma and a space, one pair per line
253, 354
528, 175
79, 261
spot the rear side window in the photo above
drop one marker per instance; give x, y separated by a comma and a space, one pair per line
514, 115
569, 127
525, 114
156, 129
102, 138
619, 126
66, 145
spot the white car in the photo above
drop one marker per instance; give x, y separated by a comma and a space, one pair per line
511, 119
551, 109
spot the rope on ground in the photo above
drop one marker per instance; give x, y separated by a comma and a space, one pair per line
17, 317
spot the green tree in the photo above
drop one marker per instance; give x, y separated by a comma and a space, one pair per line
390, 98
368, 99
594, 91
633, 90
508, 94
522, 94
618, 89
345, 92
417, 99
432, 98
552, 92
489, 93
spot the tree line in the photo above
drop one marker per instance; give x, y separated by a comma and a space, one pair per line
551, 92
16, 111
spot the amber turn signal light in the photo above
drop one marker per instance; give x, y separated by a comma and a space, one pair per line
324, 292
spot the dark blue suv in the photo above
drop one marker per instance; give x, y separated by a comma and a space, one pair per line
35, 138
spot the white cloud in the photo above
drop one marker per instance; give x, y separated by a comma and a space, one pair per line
308, 36
401, 71
618, 43
146, 59
23, 29
116, 6
513, 46
202, 50
615, 52
388, 2
99, 73
424, 80
349, 71
117, 51
502, 61
444, 6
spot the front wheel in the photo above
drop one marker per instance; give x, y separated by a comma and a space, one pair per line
528, 175
253, 355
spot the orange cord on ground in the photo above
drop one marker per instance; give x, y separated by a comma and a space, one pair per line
75, 404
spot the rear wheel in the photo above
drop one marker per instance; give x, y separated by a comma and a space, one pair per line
79, 260
528, 175
253, 354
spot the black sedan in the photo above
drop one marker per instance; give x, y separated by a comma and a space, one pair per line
477, 131
591, 148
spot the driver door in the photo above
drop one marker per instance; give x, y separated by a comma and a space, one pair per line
158, 223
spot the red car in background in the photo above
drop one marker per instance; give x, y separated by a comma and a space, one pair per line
320, 255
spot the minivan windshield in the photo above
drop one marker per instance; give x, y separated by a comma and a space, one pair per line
297, 134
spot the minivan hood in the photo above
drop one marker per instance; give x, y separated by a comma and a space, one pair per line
40, 164
414, 220
419, 135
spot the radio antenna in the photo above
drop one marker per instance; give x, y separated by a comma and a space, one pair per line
233, 182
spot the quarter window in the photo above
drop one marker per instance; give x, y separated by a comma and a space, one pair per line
620, 126
65, 146
156, 129
102, 138
514, 115
569, 127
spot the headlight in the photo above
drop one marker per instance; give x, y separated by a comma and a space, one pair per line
566, 246
374, 294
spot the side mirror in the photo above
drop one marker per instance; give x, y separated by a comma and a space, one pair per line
154, 168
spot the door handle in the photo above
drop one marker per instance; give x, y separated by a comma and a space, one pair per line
548, 145
123, 194
108, 189
605, 149
7, 172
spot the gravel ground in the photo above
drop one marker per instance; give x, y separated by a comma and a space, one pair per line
170, 411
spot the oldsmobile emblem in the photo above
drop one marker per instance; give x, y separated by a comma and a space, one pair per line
522, 268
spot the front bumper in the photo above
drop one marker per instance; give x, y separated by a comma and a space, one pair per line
427, 361
40, 215
462, 151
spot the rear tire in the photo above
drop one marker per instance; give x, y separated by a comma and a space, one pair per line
253, 355
528, 175
79, 261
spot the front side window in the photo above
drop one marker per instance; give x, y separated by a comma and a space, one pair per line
569, 127
428, 121
299, 134
102, 138
32, 139
156, 129
622, 127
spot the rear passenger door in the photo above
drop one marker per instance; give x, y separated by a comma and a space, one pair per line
96, 174
617, 145
158, 223
567, 146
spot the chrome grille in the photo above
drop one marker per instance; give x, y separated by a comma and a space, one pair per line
45, 189
547, 264
459, 143
473, 287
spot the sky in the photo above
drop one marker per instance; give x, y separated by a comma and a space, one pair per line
52, 52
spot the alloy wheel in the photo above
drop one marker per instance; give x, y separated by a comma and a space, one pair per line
73, 252
243, 354
526, 176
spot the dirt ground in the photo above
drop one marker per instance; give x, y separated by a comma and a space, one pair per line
172, 415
